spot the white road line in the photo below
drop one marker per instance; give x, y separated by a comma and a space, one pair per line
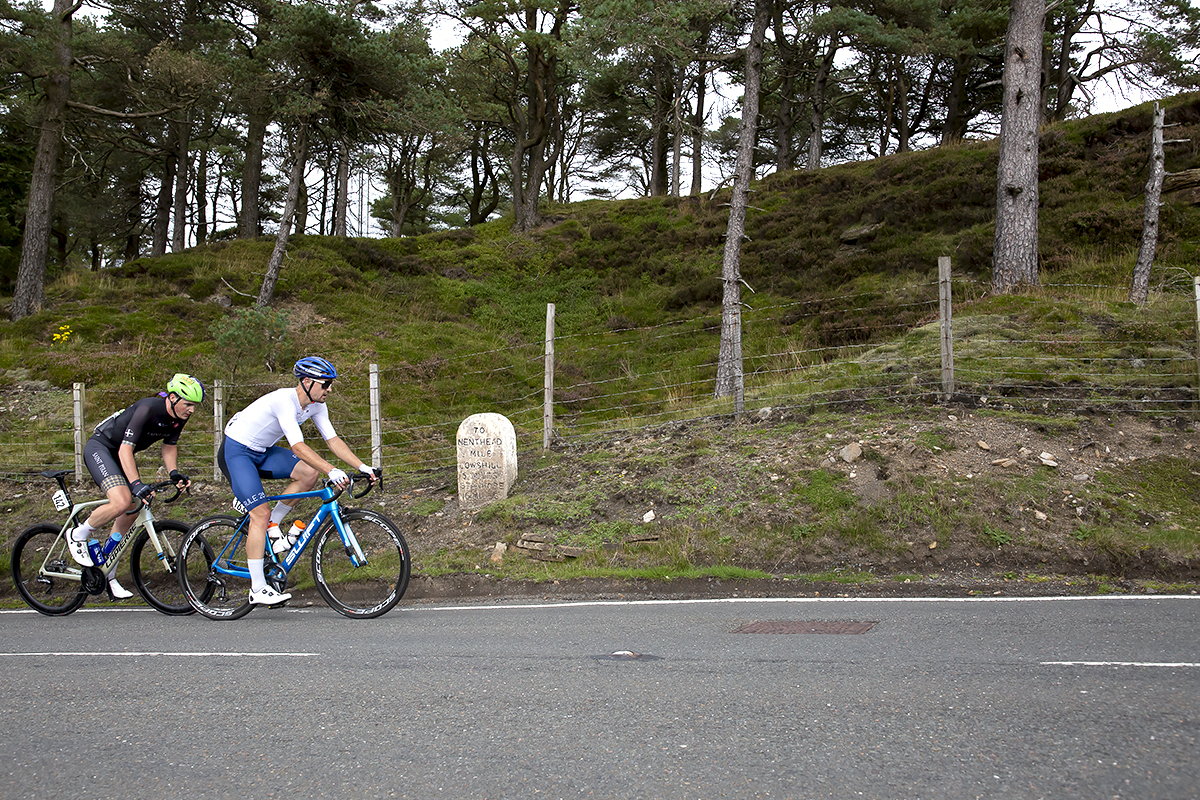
801, 600
179, 654
1168, 664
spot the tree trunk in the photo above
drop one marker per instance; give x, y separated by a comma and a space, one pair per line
785, 111
729, 361
202, 196
256, 134
527, 166
660, 133
399, 207
955, 126
677, 134
300, 154
323, 217
536, 119
166, 192
1015, 252
482, 180
342, 192
817, 120
1185, 179
133, 219
30, 291
1140, 289
698, 131
183, 162
302, 208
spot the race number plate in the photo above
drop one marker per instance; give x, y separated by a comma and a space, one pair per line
61, 503
238, 507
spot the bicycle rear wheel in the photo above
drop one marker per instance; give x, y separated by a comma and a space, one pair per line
155, 576
371, 589
44, 572
209, 550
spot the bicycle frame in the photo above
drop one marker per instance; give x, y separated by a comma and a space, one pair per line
329, 509
144, 519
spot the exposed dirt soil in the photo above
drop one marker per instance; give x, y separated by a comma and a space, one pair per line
1035, 486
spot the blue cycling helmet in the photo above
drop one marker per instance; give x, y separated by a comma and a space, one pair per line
314, 367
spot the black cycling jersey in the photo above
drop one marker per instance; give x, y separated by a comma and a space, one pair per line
141, 425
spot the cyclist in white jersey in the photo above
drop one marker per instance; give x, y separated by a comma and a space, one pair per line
249, 453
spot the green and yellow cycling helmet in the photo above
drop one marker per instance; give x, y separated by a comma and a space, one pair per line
186, 387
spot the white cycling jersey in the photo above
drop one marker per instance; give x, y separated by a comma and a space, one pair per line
275, 415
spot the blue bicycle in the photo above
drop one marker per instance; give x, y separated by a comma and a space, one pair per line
360, 561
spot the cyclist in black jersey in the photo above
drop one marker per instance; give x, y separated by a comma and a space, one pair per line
109, 455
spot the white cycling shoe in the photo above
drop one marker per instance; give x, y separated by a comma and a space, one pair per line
79, 552
118, 591
267, 596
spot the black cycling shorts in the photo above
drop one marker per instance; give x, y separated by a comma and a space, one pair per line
103, 465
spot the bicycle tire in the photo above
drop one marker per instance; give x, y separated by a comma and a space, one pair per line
371, 590
157, 579
214, 594
48, 594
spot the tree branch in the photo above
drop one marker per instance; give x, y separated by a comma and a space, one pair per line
121, 114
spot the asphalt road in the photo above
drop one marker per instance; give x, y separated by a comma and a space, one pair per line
999, 698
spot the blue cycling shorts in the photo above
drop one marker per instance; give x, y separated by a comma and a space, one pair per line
245, 469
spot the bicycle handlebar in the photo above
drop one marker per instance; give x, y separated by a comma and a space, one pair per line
355, 477
158, 487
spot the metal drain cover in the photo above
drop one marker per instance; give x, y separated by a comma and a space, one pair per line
802, 626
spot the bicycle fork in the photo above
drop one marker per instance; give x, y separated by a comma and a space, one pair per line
350, 542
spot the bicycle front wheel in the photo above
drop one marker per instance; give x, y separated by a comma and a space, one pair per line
368, 589
156, 574
210, 550
44, 572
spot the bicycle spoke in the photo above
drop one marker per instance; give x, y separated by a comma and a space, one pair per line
44, 572
211, 549
155, 574
357, 589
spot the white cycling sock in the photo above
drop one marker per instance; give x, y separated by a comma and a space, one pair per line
279, 512
258, 581
81, 532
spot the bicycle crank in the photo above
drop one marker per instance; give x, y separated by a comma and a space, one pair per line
276, 577
93, 579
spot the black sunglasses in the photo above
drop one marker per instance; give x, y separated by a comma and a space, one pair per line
322, 384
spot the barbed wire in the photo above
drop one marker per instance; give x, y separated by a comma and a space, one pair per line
790, 372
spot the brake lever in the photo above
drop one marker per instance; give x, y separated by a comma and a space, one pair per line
363, 476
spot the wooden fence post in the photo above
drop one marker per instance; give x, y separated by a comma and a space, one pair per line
944, 314
218, 425
1196, 288
548, 392
78, 394
376, 419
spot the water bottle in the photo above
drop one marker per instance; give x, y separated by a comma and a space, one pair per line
111, 544
97, 551
285, 542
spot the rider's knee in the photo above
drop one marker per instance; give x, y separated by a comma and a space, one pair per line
306, 475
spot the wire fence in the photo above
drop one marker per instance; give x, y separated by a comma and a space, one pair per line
812, 355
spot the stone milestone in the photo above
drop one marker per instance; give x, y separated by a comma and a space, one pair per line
487, 459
